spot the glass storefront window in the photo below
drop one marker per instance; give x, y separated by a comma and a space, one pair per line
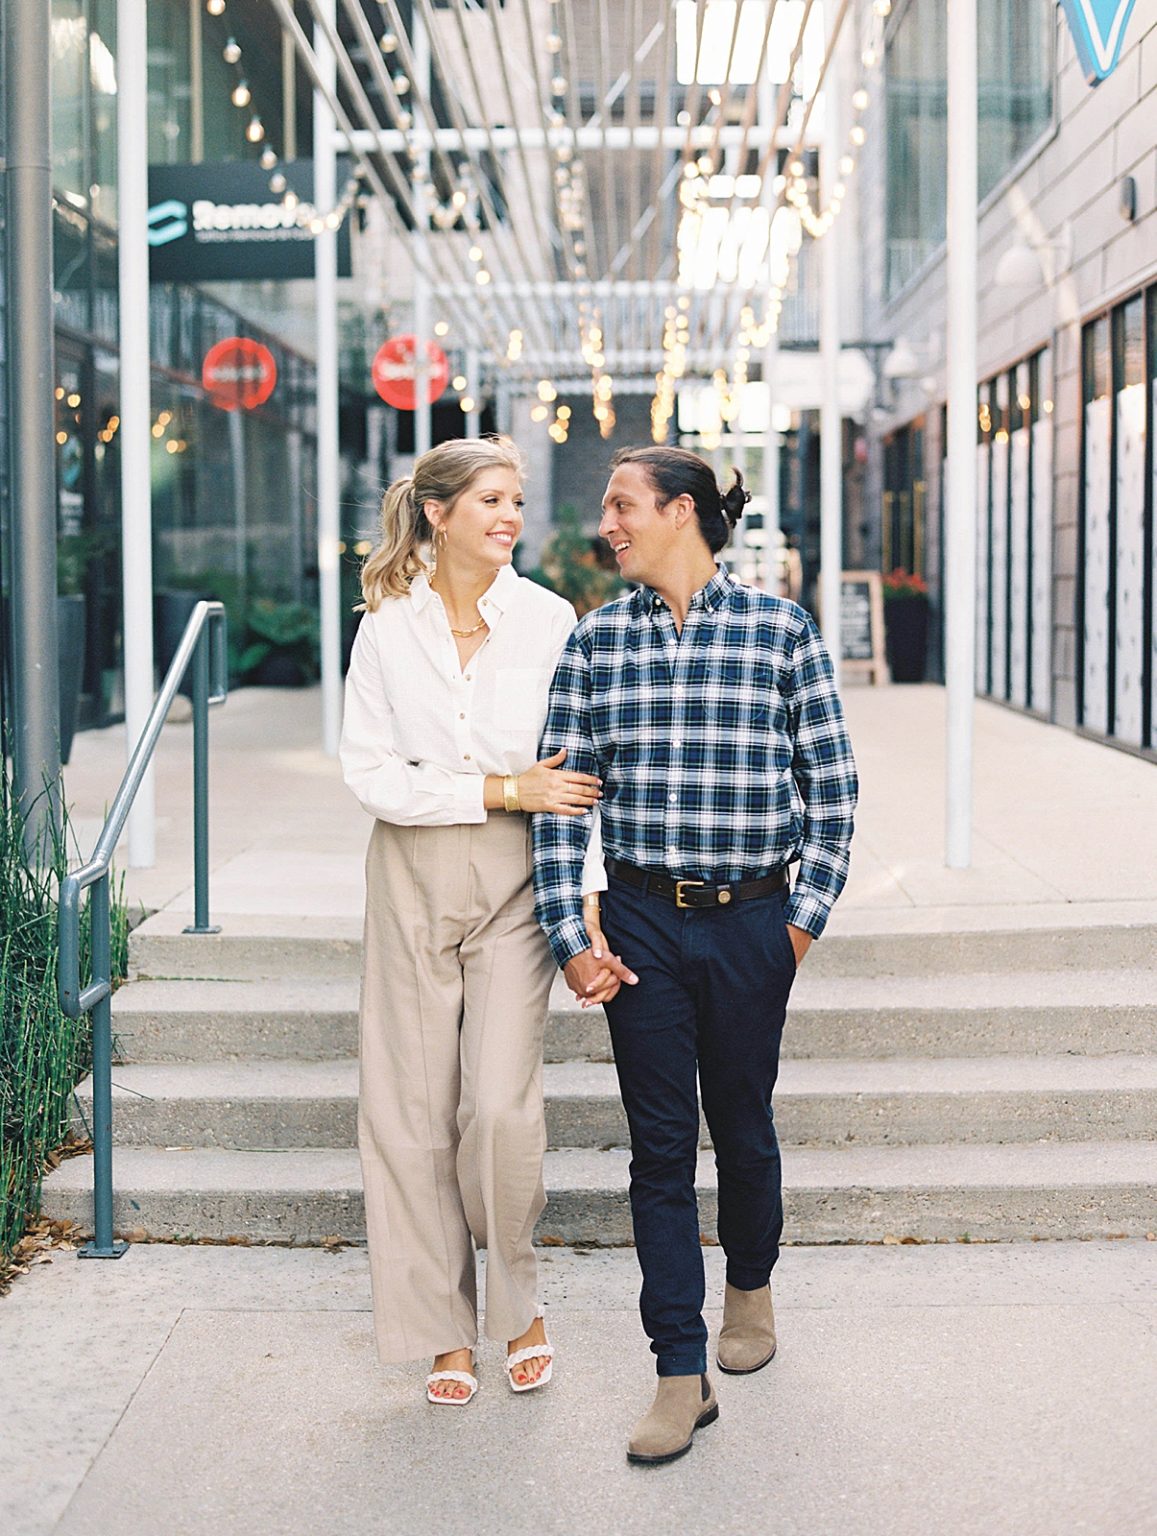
1015, 106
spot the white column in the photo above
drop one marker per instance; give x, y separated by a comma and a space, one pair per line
831, 436
474, 417
325, 295
423, 420
135, 407
771, 515
960, 519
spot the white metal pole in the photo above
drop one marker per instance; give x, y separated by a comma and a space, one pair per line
771, 512
831, 434
474, 417
135, 407
423, 417
960, 521
325, 268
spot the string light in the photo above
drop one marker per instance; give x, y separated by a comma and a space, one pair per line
255, 132
215, 7
241, 94
442, 328
231, 52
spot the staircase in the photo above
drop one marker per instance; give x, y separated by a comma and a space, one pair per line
938, 1087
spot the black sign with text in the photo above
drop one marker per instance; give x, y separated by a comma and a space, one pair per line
223, 223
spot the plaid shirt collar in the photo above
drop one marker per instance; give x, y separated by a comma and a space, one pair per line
715, 594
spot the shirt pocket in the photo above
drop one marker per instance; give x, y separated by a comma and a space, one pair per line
520, 695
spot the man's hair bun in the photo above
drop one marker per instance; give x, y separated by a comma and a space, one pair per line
732, 502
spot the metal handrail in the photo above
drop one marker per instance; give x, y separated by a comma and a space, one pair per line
203, 647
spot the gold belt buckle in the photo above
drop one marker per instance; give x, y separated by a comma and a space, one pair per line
679, 884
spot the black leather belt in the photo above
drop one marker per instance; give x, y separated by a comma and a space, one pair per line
695, 893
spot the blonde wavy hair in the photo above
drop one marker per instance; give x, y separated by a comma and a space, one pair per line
442, 475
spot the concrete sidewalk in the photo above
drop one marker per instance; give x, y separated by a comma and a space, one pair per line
918, 1391
1065, 829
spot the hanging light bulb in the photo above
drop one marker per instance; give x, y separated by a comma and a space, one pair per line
388, 42
553, 43
215, 7
277, 184
268, 158
442, 328
256, 130
231, 51
860, 99
242, 95
558, 85
401, 83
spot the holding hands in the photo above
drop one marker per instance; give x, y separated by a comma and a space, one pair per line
596, 975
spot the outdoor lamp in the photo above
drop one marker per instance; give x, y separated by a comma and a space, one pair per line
1021, 267
901, 362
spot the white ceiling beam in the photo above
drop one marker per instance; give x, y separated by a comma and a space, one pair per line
617, 136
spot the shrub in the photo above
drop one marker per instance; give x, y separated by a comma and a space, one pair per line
43, 1054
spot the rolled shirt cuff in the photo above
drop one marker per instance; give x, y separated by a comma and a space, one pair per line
471, 798
807, 911
568, 939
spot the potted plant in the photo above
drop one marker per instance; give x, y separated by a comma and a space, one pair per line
906, 625
283, 648
572, 565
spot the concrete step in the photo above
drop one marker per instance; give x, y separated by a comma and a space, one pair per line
248, 948
877, 944
931, 1193
278, 1105
1090, 1012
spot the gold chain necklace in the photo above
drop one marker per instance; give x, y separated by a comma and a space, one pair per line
464, 634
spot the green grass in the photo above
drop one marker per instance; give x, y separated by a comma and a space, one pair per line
43, 1054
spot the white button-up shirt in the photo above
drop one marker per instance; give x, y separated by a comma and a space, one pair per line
421, 732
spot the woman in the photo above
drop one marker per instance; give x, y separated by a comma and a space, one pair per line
445, 699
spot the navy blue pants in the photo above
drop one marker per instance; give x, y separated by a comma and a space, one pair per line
712, 994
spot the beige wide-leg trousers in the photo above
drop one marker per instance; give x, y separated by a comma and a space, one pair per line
451, 1133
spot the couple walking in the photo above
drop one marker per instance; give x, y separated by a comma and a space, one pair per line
620, 798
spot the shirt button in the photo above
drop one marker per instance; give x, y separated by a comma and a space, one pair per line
461, 717
677, 743
465, 757
672, 798
468, 676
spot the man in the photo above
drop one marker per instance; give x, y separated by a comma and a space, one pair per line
709, 711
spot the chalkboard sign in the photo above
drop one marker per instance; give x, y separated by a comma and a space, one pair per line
862, 625
856, 620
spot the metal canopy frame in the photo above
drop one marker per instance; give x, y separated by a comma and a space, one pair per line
528, 149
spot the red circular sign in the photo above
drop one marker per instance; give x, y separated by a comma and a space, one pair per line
393, 372
239, 372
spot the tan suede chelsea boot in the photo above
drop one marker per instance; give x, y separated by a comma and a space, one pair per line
747, 1338
682, 1405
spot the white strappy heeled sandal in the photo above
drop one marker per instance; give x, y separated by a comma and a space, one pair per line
466, 1379
531, 1352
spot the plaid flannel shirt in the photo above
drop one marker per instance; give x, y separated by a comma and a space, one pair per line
722, 749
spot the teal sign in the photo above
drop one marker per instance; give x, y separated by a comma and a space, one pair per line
1098, 28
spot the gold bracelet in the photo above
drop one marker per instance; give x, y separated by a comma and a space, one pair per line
510, 793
